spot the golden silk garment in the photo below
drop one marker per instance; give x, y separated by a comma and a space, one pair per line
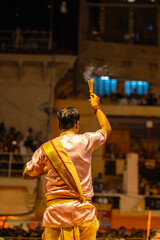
86, 231
63, 165
79, 148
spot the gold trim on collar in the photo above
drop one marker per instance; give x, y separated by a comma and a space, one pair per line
67, 132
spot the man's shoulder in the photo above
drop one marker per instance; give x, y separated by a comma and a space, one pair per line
99, 131
47, 142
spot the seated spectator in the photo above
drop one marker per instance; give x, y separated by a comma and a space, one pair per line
123, 101
120, 154
17, 162
133, 233
153, 189
140, 233
98, 182
16, 156
133, 101
38, 140
142, 186
113, 234
122, 232
27, 155
143, 100
151, 99
147, 189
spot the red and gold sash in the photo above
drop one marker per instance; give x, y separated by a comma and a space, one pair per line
63, 165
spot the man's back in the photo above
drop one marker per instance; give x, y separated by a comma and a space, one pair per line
79, 148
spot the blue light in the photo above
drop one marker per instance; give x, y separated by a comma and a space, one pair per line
146, 87
113, 85
95, 85
141, 87
107, 87
127, 86
104, 77
101, 86
104, 85
133, 86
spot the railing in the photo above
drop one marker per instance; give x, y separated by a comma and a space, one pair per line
12, 165
35, 238
152, 202
19, 40
113, 199
19, 238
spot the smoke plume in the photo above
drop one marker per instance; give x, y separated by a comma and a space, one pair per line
92, 70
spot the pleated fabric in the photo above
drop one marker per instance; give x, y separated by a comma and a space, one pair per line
85, 231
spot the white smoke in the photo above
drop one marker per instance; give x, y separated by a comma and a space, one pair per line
92, 70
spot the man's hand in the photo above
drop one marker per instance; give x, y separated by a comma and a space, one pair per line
94, 99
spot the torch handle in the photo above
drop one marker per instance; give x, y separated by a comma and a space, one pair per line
90, 84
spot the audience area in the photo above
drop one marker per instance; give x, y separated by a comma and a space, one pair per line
146, 187
16, 149
12, 140
117, 98
149, 99
122, 232
19, 231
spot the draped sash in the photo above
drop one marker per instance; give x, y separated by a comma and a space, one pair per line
63, 165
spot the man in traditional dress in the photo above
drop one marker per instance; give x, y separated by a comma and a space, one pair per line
66, 163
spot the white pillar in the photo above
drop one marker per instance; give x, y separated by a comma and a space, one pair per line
132, 174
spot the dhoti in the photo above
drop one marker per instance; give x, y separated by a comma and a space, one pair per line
85, 231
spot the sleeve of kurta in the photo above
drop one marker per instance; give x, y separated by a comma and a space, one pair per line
95, 139
35, 167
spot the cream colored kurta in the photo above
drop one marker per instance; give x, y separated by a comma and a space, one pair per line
79, 148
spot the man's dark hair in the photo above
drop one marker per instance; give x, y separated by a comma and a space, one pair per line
67, 117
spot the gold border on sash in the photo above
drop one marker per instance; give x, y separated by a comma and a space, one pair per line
63, 165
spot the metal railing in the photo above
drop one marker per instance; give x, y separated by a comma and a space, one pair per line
19, 40
12, 164
35, 238
20, 238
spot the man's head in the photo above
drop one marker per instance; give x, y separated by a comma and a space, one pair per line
68, 118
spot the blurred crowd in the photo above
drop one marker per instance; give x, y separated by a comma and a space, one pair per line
103, 232
117, 98
148, 99
20, 231
101, 186
16, 149
15, 141
149, 188
146, 187
120, 233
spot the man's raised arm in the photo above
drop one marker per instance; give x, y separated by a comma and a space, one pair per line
102, 119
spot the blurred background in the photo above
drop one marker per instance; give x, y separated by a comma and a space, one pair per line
48, 50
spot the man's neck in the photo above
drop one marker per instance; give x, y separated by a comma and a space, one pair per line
68, 131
